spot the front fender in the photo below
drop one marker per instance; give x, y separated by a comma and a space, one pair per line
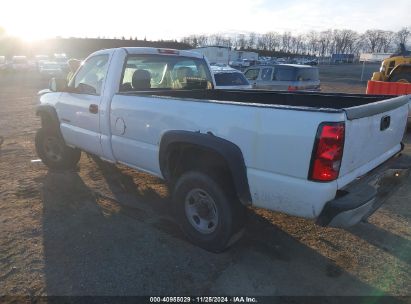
49, 117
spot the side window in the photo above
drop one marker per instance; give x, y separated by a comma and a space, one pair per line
390, 67
266, 74
275, 74
252, 74
284, 74
90, 77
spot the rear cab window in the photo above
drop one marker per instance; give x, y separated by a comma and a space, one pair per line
150, 72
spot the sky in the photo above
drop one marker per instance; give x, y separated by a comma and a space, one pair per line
173, 19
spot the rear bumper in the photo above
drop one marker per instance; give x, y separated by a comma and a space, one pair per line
358, 200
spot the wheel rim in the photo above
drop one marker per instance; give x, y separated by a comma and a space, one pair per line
201, 211
53, 148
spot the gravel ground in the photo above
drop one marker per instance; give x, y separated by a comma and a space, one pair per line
106, 230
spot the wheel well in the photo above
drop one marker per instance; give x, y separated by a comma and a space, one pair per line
189, 157
46, 120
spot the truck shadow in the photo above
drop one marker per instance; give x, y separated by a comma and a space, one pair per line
393, 244
94, 245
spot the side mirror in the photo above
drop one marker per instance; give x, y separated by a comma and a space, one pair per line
58, 85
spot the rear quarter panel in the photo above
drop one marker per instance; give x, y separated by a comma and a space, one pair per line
276, 144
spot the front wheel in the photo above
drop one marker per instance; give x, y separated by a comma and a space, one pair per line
210, 217
53, 151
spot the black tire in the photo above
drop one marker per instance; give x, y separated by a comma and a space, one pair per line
65, 157
401, 77
226, 228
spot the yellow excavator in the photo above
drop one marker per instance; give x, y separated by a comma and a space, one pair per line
397, 68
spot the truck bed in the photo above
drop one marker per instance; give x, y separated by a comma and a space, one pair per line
355, 105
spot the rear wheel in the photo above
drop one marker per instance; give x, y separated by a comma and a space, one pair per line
210, 217
53, 151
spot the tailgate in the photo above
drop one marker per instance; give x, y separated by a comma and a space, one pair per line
373, 133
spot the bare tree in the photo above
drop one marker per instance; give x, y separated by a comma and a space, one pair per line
373, 39
296, 44
325, 42
313, 42
387, 40
192, 40
344, 40
217, 39
402, 35
251, 41
262, 43
273, 40
202, 40
286, 41
322, 43
240, 42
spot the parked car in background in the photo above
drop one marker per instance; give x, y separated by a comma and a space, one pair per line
50, 69
228, 78
20, 63
307, 61
239, 63
284, 77
312, 62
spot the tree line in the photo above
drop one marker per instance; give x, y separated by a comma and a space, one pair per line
77, 47
314, 43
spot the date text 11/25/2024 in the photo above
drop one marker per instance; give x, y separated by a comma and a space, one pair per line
238, 299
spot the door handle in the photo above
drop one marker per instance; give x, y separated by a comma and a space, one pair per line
385, 123
93, 108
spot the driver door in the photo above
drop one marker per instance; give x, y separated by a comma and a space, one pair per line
78, 108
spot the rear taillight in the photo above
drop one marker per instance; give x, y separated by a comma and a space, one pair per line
327, 153
292, 88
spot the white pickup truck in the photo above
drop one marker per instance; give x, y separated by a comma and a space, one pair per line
314, 155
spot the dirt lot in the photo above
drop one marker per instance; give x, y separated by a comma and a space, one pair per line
106, 230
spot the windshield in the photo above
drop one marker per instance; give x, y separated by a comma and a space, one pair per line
145, 72
230, 79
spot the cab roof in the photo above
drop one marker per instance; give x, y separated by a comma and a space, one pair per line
161, 51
